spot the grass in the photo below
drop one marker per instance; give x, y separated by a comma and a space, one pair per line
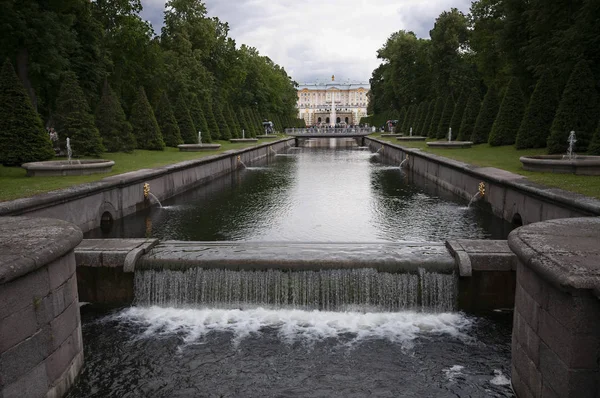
507, 158
15, 184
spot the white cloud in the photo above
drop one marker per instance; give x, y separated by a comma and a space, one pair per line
313, 39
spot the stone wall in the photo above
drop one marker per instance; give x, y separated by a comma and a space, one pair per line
120, 195
510, 196
41, 351
556, 328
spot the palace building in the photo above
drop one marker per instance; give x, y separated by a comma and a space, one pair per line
327, 104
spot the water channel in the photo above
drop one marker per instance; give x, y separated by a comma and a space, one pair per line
308, 195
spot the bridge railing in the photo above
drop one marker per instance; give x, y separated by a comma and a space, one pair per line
312, 131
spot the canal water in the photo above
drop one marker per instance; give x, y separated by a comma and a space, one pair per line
161, 348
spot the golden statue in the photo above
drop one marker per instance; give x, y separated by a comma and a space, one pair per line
332, 78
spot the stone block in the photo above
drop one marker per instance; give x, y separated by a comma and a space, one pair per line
17, 327
64, 325
61, 270
527, 338
60, 359
578, 310
548, 392
533, 284
32, 385
67, 379
527, 307
575, 351
520, 388
23, 357
528, 372
24, 291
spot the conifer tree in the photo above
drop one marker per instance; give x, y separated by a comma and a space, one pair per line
235, 128
594, 147
401, 119
253, 120
224, 133
577, 111
115, 130
535, 127
420, 120
145, 128
74, 120
505, 128
22, 135
257, 122
189, 132
243, 122
486, 117
278, 124
444, 124
459, 110
167, 122
428, 117
211, 122
197, 115
410, 115
437, 116
467, 124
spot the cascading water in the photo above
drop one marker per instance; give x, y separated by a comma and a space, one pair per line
361, 289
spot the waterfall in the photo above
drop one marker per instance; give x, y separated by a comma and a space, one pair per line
330, 290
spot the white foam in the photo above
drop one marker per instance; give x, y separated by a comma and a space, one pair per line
310, 326
453, 372
499, 379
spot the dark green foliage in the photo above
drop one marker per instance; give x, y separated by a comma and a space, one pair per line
115, 130
241, 114
594, 147
407, 124
401, 119
22, 135
224, 133
197, 115
428, 117
436, 117
577, 111
145, 128
211, 121
167, 122
535, 127
420, 120
250, 130
74, 120
467, 123
189, 132
486, 117
459, 110
444, 124
235, 128
505, 128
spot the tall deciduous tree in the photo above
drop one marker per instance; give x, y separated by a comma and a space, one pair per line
577, 111
115, 130
487, 115
167, 122
74, 120
535, 127
22, 135
145, 128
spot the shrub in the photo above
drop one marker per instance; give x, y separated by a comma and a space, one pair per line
197, 115
444, 124
428, 117
188, 130
401, 119
594, 147
436, 117
505, 128
535, 127
167, 122
486, 117
115, 130
145, 128
577, 111
22, 135
467, 123
459, 110
224, 132
74, 120
211, 122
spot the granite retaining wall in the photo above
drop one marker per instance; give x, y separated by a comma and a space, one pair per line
510, 196
114, 197
41, 350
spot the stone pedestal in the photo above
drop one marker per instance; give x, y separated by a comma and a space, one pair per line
41, 351
556, 329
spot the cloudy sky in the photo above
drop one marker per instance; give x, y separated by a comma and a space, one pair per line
313, 39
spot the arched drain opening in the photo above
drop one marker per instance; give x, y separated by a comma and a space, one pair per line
106, 222
517, 220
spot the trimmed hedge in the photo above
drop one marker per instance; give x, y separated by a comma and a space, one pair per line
188, 130
505, 128
197, 115
145, 128
486, 117
459, 110
444, 124
436, 117
115, 130
167, 122
469, 116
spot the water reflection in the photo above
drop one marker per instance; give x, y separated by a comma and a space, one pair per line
314, 195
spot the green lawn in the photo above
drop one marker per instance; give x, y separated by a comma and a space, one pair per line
507, 158
15, 184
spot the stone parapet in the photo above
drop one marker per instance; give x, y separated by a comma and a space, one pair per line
41, 350
556, 329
